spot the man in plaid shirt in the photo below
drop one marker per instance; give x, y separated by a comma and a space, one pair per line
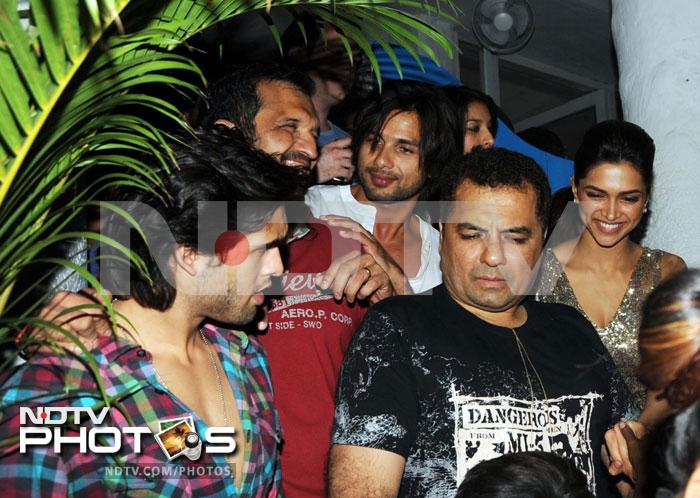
161, 363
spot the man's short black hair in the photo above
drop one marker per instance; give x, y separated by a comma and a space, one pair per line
235, 96
496, 168
440, 139
530, 474
216, 165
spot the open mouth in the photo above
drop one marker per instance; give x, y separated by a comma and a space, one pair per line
305, 165
606, 227
296, 159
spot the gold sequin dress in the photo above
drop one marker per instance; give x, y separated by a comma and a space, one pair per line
620, 335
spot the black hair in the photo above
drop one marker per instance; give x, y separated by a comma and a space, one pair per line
440, 139
544, 139
235, 96
616, 141
216, 165
496, 168
531, 474
674, 454
462, 96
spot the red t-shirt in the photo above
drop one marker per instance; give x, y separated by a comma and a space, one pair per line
308, 335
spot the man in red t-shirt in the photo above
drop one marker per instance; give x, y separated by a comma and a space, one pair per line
308, 334
310, 328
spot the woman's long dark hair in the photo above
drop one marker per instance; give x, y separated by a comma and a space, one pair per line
462, 96
669, 339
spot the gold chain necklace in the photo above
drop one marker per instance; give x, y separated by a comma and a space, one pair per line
523, 357
219, 381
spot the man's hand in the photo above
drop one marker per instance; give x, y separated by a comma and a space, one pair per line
88, 323
623, 446
370, 245
356, 276
335, 160
624, 451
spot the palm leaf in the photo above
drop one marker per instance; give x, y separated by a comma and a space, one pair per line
75, 87
64, 97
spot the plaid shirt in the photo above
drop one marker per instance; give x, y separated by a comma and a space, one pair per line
124, 367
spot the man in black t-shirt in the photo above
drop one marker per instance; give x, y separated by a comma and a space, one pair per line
433, 385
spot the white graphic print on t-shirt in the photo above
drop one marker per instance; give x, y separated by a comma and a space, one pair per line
488, 427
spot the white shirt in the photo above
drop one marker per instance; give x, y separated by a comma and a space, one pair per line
338, 200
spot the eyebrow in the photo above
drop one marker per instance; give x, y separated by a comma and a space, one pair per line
635, 191
296, 121
267, 245
408, 141
514, 230
281, 240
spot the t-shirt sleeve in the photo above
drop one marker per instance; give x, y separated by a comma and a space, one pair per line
376, 405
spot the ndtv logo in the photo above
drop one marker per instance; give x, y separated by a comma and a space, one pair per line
44, 426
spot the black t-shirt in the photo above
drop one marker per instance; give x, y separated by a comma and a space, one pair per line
428, 380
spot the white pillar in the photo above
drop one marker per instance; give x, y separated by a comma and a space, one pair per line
658, 52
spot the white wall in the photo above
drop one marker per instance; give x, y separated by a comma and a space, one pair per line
658, 51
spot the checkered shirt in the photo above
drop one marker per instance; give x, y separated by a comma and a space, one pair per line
127, 376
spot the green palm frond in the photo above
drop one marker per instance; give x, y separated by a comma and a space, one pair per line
80, 84
75, 82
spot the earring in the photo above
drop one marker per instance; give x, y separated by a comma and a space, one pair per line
645, 208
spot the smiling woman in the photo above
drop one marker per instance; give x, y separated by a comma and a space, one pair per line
603, 273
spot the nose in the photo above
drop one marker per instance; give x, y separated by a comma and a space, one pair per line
306, 143
487, 140
273, 262
611, 210
493, 254
380, 156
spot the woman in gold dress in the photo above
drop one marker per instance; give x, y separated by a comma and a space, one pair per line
603, 273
